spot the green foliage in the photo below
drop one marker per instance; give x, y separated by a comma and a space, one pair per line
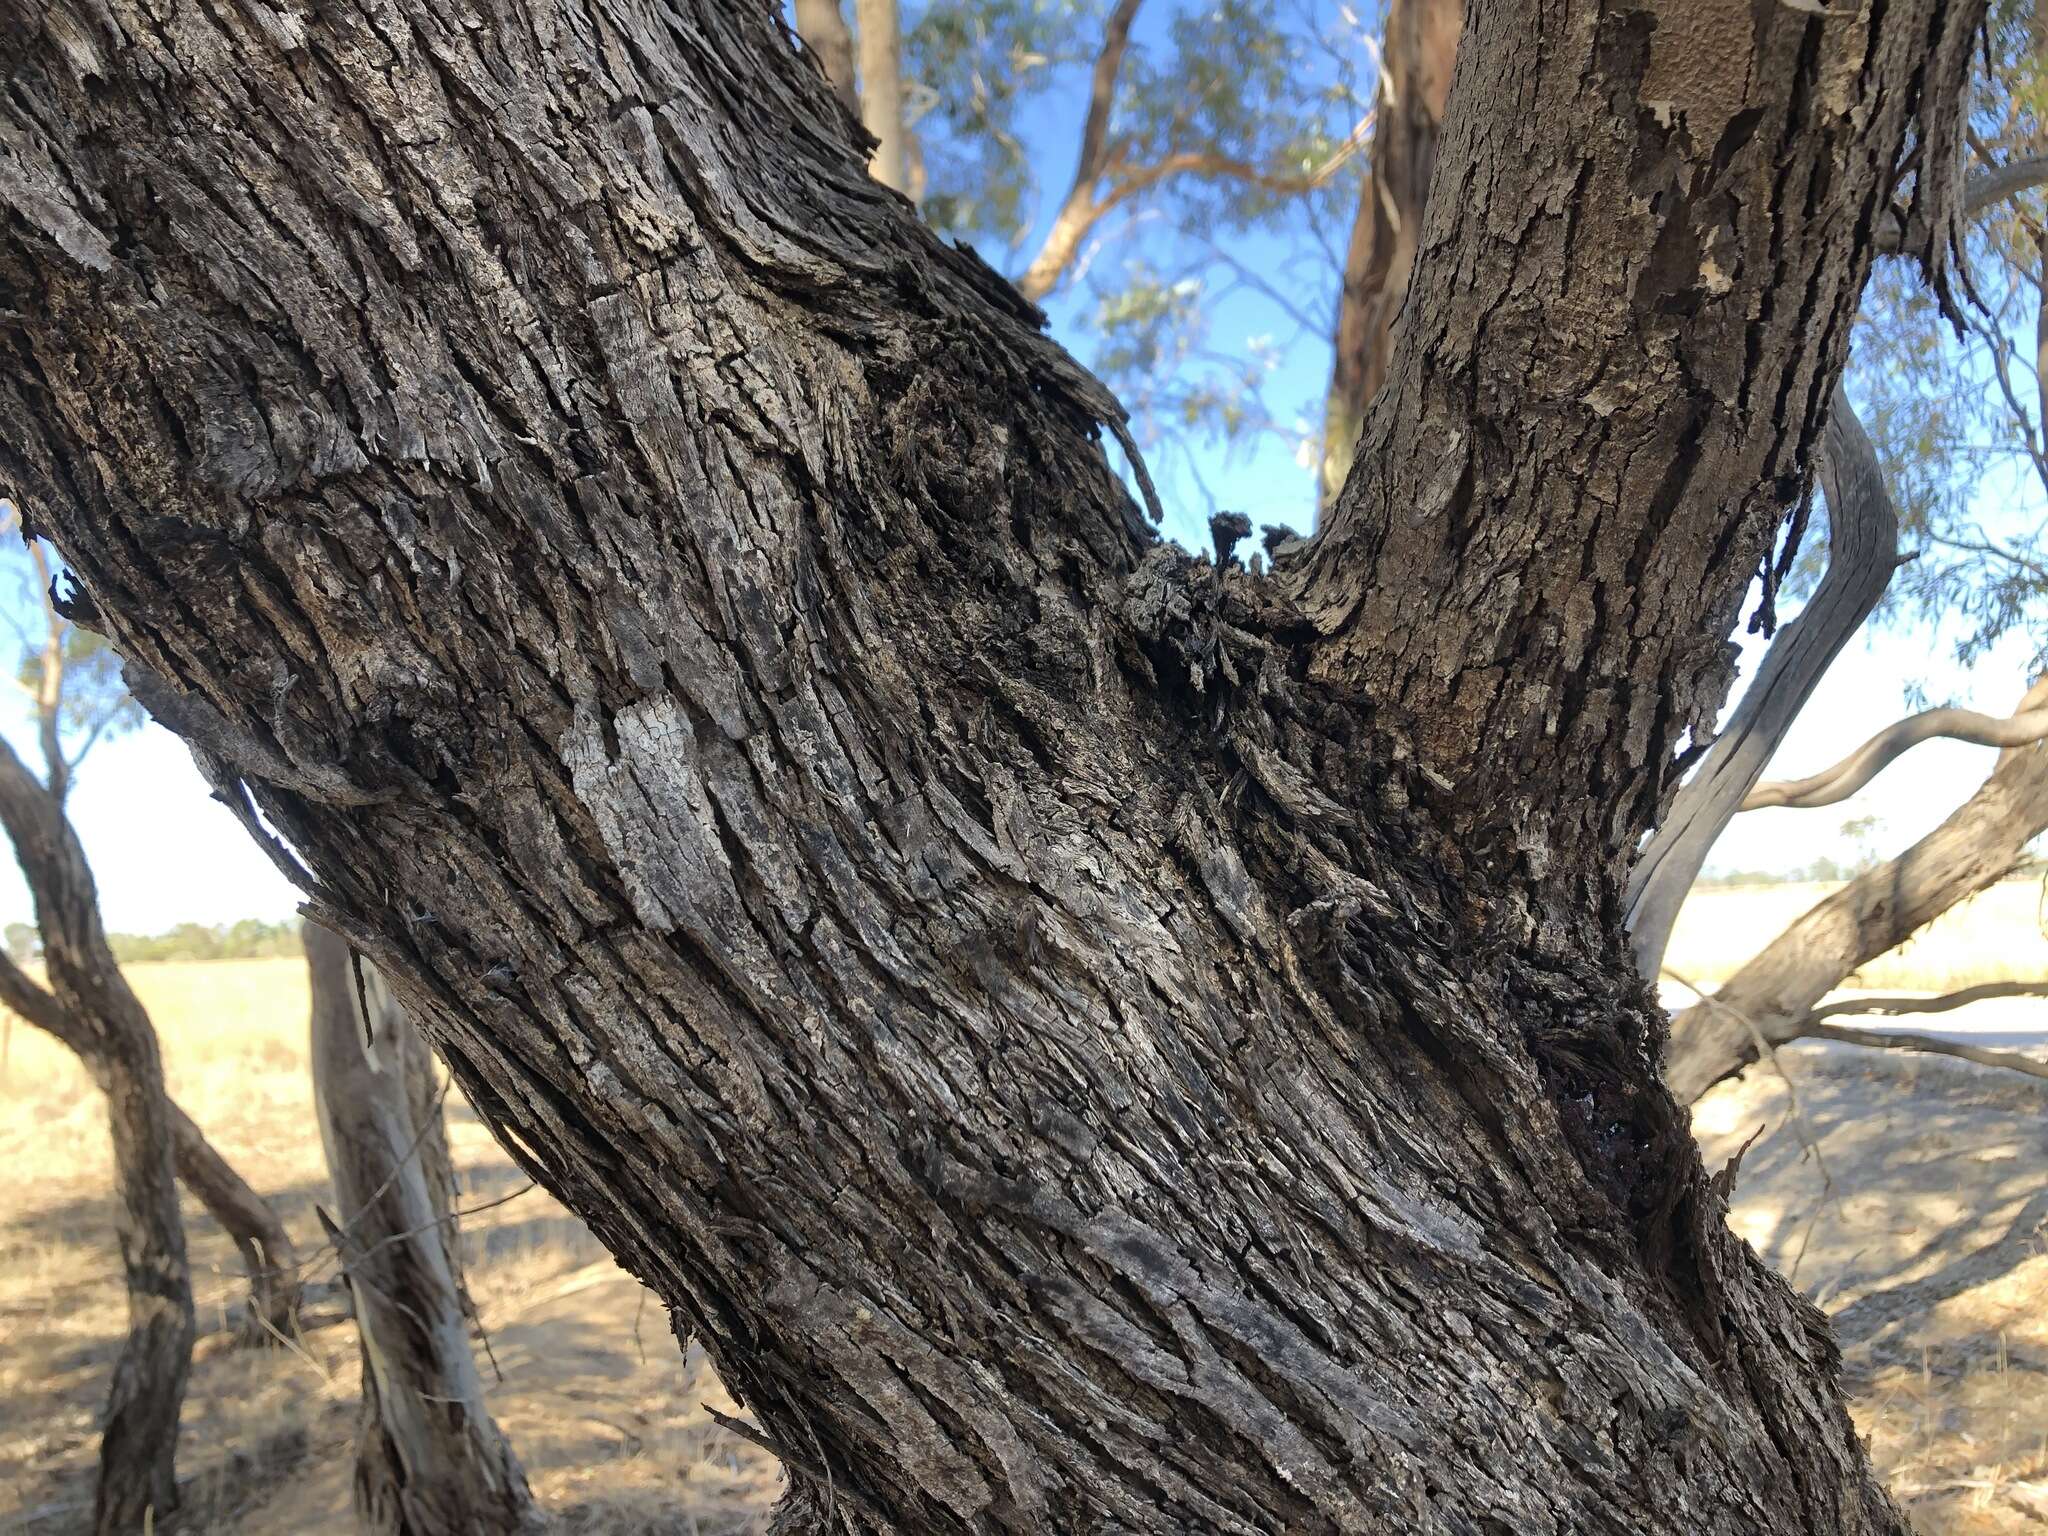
1215, 252
1958, 417
249, 939
23, 942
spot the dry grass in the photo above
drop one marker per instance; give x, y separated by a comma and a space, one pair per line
1934, 1234
606, 1412
1997, 935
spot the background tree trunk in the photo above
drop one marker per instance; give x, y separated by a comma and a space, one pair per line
1088, 1039
1877, 911
822, 26
1417, 50
880, 25
429, 1459
138, 1448
269, 1257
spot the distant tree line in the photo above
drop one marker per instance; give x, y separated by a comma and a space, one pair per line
249, 939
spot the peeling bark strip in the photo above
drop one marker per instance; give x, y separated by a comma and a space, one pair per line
429, 1459
995, 977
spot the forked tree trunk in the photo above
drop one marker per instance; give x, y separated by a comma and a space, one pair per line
429, 1459
1771, 996
268, 1256
138, 1448
1417, 49
1087, 1040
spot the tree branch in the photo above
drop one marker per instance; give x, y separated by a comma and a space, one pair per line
1863, 541
1833, 785
1877, 911
1886, 1040
1947, 1002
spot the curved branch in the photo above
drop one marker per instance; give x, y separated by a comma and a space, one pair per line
1933, 1045
1862, 554
268, 1254
1947, 1002
1833, 785
1877, 911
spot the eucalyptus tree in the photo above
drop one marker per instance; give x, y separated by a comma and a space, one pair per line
1087, 1036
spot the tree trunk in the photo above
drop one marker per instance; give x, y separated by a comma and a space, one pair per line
880, 24
138, 1448
1417, 50
268, 1255
1876, 912
1863, 551
1086, 1039
822, 26
429, 1459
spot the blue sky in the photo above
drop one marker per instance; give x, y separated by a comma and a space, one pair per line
164, 852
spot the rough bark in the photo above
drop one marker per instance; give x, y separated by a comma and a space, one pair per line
1863, 551
1084, 1042
269, 1257
429, 1459
138, 1447
1876, 912
1416, 54
822, 26
879, 26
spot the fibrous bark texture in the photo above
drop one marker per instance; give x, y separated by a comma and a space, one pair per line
139, 1444
1417, 49
1086, 1041
1773, 995
1863, 551
429, 1459
268, 1256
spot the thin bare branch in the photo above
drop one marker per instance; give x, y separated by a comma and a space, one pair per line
1832, 785
1888, 1040
1888, 1006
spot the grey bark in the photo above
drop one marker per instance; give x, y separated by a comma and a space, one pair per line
1863, 551
139, 1441
429, 1459
269, 1258
1877, 911
1088, 1039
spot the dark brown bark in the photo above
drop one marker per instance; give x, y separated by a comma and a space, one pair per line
269, 1257
429, 1459
1085, 1043
138, 1447
1416, 54
1774, 994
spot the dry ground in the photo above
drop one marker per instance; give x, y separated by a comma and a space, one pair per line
606, 1412
1924, 1237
